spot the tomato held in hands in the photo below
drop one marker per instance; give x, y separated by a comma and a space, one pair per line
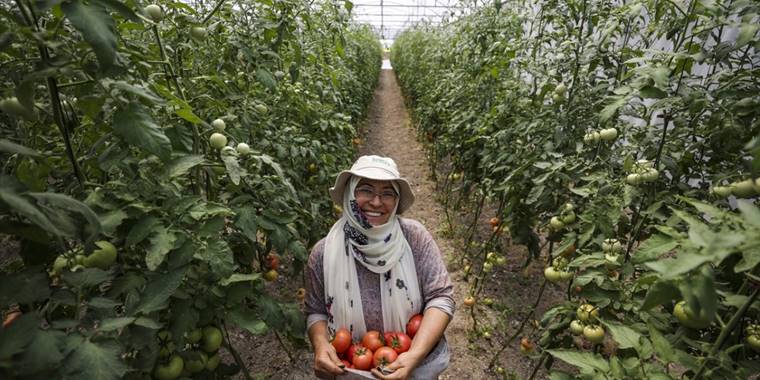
413, 325
384, 356
373, 340
342, 340
362, 359
399, 342
346, 363
352, 350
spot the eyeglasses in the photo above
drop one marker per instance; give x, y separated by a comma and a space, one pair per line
367, 194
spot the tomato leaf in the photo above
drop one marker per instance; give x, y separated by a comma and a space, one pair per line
90, 360
141, 230
239, 277
18, 336
246, 318
111, 324
586, 361
625, 336
234, 170
219, 257
88, 277
159, 290
661, 292
182, 165
266, 78
161, 242
97, 28
135, 125
13, 148
653, 248
746, 34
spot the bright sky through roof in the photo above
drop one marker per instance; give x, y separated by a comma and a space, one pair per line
390, 17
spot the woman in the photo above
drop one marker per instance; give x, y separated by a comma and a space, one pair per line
374, 271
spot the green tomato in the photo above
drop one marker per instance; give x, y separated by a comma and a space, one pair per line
754, 342
686, 317
199, 33
608, 134
594, 333
565, 275
586, 312
279, 74
633, 179
218, 140
170, 370
154, 12
60, 263
101, 258
721, 191
576, 327
197, 364
219, 125
12, 106
487, 267
260, 108
212, 339
195, 336
556, 224
568, 217
743, 189
213, 362
560, 89
552, 275
650, 175
243, 149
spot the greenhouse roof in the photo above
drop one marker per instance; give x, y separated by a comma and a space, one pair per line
390, 17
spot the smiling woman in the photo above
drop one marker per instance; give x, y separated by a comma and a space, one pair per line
400, 274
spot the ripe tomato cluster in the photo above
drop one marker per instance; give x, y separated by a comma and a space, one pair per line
375, 349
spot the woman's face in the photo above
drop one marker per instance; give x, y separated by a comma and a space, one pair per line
376, 199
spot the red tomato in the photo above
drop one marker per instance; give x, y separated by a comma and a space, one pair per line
384, 356
399, 342
273, 261
351, 350
363, 359
373, 340
413, 325
346, 363
388, 337
342, 340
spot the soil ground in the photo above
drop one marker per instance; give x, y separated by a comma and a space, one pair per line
388, 131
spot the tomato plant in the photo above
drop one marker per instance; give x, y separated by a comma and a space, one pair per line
530, 107
151, 153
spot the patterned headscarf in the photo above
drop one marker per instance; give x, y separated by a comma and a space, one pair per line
381, 249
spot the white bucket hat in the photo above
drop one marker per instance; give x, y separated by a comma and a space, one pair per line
377, 168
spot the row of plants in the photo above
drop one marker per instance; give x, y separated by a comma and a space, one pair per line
160, 160
619, 142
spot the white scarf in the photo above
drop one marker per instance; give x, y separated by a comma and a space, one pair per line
381, 249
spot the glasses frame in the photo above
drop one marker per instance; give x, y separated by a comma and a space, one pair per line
382, 195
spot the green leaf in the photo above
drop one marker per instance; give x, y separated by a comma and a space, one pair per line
246, 319
13, 148
234, 170
23, 288
68, 203
625, 336
135, 125
652, 92
97, 28
90, 360
746, 33
609, 110
103, 303
246, 222
219, 257
750, 212
653, 248
661, 292
266, 78
87, 277
239, 277
18, 336
161, 242
111, 324
112, 220
586, 361
121, 8
43, 354
22, 206
158, 291
683, 263
182, 165
142, 229
134, 89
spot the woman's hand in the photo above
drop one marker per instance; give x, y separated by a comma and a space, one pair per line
402, 367
326, 362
